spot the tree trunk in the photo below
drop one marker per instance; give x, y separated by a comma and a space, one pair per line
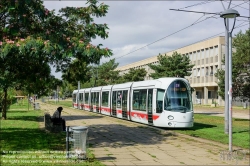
4, 111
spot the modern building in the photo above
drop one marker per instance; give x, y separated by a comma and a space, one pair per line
207, 57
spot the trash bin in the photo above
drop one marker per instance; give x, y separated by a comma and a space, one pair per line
245, 105
36, 106
78, 136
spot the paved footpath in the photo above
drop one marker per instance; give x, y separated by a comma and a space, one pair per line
120, 142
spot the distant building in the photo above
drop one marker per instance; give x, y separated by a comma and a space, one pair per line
206, 56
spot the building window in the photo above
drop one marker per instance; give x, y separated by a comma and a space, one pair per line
194, 56
211, 95
207, 53
198, 72
216, 50
198, 55
202, 54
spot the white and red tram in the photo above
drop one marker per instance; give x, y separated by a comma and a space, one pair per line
164, 102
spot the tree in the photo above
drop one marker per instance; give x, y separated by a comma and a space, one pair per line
135, 75
67, 89
77, 71
176, 65
240, 68
19, 19
107, 75
104, 74
23, 64
28, 30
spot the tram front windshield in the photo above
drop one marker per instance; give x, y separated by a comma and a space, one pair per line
178, 97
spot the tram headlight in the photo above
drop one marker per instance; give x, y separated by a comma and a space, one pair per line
169, 123
170, 117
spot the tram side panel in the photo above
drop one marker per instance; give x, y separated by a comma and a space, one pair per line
120, 101
95, 99
87, 100
120, 105
74, 99
142, 105
105, 102
80, 101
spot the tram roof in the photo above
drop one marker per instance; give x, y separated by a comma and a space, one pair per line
157, 83
122, 86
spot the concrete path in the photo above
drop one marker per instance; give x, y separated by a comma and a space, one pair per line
120, 142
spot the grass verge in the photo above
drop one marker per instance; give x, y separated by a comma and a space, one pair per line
212, 128
61, 103
22, 142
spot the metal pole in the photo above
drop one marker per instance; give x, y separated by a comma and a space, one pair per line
28, 101
55, 96
226, 76
226, 109
78, 104
67, 142
230, 92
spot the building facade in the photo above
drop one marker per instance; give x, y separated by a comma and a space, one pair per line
207, 59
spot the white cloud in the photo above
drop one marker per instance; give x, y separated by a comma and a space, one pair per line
135, 24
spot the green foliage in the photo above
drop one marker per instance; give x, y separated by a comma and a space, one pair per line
107, 74
176, 65
104, 74
22, 18
240, 68
135, 75
32, 37
77, 71
66, 89
10, 98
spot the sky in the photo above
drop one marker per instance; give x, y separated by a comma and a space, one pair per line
143, 29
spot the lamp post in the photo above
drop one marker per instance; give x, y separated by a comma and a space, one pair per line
230, 13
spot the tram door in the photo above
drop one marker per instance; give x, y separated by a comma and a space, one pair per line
97, 102
113, 112
124, 104
92, 98
150, 106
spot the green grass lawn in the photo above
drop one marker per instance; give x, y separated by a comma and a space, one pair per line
61, 103
22, 142
212, 128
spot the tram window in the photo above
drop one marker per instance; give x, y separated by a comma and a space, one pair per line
119, 98
139, 99
80, 96
86, 97
178, 98
105, 99
159, 100
74, 98
135, 99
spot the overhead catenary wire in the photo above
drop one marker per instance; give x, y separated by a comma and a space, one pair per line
163, 37
214, 14
201, 3
239, 5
